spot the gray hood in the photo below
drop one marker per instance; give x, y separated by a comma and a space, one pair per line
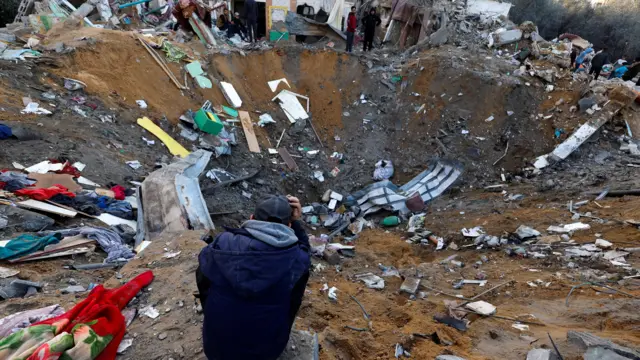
274, 234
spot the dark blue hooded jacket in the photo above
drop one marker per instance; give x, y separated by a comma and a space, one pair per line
251, 282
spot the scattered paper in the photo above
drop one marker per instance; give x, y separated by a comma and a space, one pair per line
265, 119
142, 104
149, 311
44, 167
134, 164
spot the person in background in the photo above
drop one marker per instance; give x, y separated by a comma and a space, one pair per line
634, 70
184, 9
370, 22
223, 20
240, 25
251, 282
601, 59
619, 69
352, 23
250, 15
574, 55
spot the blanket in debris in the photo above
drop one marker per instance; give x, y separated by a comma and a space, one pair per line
430, 184
91, 330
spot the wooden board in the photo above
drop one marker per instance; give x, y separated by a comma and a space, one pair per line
248, 132
42, 206
288, 159
114, 220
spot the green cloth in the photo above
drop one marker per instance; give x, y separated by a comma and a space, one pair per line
26, 244
174, 54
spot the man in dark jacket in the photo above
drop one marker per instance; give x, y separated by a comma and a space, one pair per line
352, 23
251, 282
598, 61
370, 23
250, 14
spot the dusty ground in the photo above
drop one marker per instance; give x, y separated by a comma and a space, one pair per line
460, 90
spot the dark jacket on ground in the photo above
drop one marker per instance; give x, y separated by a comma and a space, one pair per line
250, 12
601, 59
251, 282
370, 22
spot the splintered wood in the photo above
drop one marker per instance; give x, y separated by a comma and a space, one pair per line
247, 126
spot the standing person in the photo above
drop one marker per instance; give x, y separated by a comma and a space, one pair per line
352, 23
250, 14
598, 61
574, 55
251, 282
370, 22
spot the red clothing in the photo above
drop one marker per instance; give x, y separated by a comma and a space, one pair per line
44, 193
352, 23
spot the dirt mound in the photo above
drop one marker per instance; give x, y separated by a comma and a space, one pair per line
116, 67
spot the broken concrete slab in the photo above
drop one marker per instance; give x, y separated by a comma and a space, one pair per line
507, 37
173, 193
482, 307
586, 340
601, 353
410, 285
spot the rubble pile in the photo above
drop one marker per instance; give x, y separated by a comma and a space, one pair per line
437, 172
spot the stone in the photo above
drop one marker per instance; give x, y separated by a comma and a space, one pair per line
410, 285
72, 289
162, 336
302, 345
603, 244
331, 256
72, 281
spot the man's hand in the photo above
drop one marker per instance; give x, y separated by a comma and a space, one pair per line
296, 207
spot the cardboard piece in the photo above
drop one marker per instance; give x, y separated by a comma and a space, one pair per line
6, 272
247, 126
174, 147
50, 179
42, 206
105, 192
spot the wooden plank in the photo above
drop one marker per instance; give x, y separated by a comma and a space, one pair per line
74, 251
42, 206
288, 159
64, 245
245, 119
